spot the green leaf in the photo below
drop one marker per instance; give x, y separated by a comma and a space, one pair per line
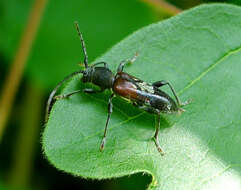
199, 52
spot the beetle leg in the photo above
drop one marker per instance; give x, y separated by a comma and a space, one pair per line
162, 83
157, 112
62, 96
110, 106
123, 63
102, 62
86, 90
52, 94
156, 134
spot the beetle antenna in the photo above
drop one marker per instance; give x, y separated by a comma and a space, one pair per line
51, 96
83, 44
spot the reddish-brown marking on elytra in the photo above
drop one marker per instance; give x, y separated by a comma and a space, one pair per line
125, 88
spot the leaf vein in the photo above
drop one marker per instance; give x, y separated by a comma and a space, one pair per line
210, 68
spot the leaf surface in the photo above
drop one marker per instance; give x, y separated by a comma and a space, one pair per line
199, 52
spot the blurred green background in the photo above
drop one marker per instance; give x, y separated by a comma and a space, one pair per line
55, 53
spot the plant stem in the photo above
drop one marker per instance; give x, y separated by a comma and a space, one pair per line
27, 139
163, 6
16, 71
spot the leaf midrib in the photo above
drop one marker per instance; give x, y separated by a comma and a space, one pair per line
210, 68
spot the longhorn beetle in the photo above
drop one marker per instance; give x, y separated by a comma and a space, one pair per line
146, 96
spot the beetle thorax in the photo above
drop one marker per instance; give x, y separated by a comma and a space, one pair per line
100, 76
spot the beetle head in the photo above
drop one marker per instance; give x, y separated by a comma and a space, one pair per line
87, 74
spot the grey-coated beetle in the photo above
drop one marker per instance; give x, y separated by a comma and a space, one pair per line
146, 96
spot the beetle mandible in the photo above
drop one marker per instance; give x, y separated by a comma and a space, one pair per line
145, 96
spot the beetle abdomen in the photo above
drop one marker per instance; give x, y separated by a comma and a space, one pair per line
143, 94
